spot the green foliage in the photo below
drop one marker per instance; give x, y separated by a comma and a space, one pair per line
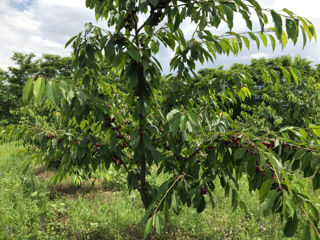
185, 131
27, 67
275, 101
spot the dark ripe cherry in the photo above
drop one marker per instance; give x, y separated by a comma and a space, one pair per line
60, 140
117, 128
94, 152
125, 144
167, 148
203, 190
120, 136
98, 145
70, 141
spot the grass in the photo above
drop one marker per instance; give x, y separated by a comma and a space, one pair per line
32, 208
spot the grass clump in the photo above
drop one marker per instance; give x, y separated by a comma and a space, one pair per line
32, 208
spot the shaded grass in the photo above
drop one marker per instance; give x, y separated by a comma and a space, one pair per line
31, 208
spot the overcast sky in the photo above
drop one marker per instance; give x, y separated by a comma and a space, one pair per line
43, 26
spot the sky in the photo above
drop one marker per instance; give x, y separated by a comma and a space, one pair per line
44, 26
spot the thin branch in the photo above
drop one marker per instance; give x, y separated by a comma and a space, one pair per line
309, 220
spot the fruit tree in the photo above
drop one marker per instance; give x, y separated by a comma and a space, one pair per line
168, 124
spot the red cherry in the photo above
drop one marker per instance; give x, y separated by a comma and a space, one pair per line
98, 145
124, 145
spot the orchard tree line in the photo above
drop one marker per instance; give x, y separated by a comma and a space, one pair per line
271, 106
258, 121
27, 66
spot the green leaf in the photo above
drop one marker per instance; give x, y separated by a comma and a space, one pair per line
182, 124
154, 2
135, 140
262, 159
172, 113
304, 37
273, 42
109, 49
291, 28
229, 13
307, 231
255, 38
299, 154
246, 17
26, 92
264, 189
193, 118
264, 39
289, 204
134, 53
284, 39
268, 202
117, 59
38, 89
246, 41
291, 226
70, 40
52, 92
201, 204
277, 23
287, 182
175, 202
296, 75
316, 181
239, 153
147, 228
159, 224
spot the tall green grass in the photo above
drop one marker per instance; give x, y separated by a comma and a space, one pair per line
30, 208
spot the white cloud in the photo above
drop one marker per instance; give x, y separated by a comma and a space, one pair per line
259, 55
